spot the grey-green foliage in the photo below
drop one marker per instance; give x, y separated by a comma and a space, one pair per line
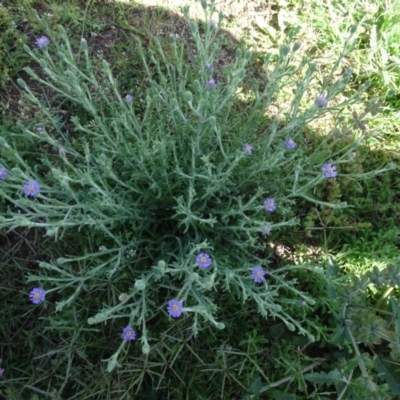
150, 184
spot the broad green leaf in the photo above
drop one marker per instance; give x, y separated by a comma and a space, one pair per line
280, 395
389, 372
332, 378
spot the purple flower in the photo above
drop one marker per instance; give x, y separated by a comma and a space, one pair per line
270, 205
329, 170
128, 333
128, 98
290, 144
31, 188
209, 67
40, 129
175, 308
42, 41
211, 83
321, 101
203, 260
213, 23
348, 71
266, 229
3, 174
37, 295
1, 371
247, 149
257, 274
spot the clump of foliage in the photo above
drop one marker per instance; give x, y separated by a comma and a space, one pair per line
157, 208
367, 336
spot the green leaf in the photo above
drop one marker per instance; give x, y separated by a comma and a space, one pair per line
389, 372
396, 312
332, 378
255, 388
280, 395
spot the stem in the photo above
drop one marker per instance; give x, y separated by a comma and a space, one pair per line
384, 297
361, 363
346, 386
288, 378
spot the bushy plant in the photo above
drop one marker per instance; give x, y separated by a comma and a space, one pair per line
367, 336
167, 198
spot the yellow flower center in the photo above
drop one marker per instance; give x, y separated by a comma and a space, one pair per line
31, 187
203, 259
175, 307
129, 333
36, 295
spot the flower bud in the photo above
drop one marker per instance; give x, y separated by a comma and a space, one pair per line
122, 297
140, 284
146, 348
285, 51
188, 96
296, 46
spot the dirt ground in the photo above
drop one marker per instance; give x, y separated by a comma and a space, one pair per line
242, 18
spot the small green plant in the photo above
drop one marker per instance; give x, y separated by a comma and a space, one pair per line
12, 55
160, 205
368, 337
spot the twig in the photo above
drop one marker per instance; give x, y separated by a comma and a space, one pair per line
288, 378
346, 386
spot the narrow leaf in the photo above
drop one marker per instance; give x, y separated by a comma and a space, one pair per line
389, 372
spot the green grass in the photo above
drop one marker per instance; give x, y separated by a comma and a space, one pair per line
323, 27
250, 356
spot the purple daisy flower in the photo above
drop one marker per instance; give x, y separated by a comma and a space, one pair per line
321, 101
128, 98
211, 83
270, 205
257, 274
175, 308
290, 144
128, 333
329, 170
203, 260
31, 188
1, 371
209, 67
37, 295
266, 229
3, 174
348, 71
42, 41
247, 149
